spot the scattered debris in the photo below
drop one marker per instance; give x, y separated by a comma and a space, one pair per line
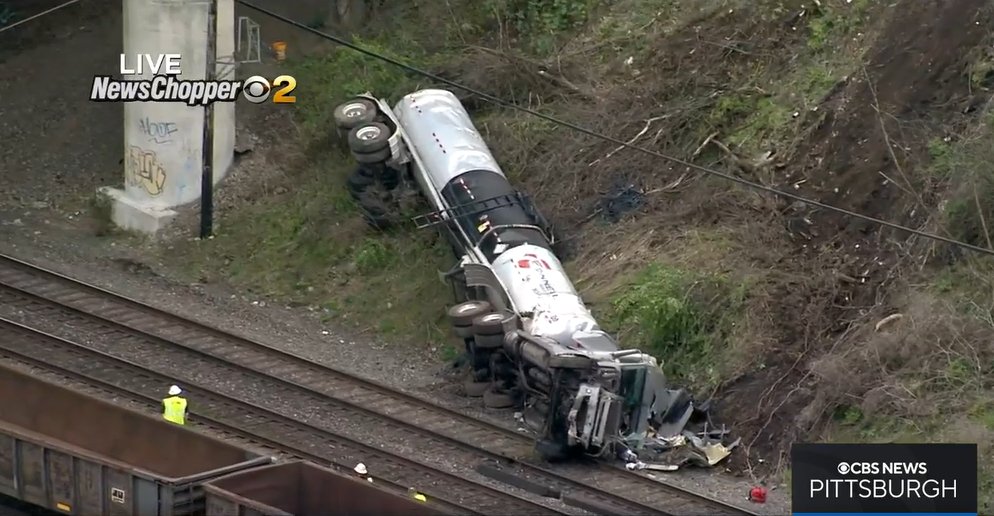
888, 320
619, 201
670, 444
757, 495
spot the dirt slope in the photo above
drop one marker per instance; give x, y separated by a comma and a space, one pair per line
865, 155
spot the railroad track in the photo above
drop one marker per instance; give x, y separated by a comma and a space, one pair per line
252, 423
142, 333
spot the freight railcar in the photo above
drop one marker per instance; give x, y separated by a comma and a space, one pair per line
71, 453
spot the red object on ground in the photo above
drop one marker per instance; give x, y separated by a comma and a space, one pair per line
757, 495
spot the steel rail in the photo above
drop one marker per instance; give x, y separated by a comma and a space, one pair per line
255, 423
52, 295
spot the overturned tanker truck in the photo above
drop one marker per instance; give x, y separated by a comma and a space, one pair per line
531, 340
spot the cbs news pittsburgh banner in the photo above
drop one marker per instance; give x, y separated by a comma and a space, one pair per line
836, 479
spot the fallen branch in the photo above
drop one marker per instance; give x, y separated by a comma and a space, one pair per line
703, 144
742, 163
644, 130
983, 220
670, 187
887, 320
561, 81
535, 67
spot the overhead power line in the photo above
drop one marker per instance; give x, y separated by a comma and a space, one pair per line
39, 15
616, 141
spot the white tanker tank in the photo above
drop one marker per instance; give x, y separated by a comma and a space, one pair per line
531, 340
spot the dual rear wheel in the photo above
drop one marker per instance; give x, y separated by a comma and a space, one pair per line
368, 139
483, 331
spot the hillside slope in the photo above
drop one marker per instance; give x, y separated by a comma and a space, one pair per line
859, 104
770, 306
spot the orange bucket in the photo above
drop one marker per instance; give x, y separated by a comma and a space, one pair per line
279, 50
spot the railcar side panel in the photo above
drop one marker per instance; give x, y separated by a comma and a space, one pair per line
69, 452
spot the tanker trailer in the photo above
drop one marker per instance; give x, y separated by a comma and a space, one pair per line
531, 340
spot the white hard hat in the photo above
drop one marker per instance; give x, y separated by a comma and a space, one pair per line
174, 390
360, 469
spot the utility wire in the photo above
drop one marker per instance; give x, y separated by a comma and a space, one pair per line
39, 15
616, 141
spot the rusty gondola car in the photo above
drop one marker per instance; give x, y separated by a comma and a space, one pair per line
302, 488
72, 453
69, 452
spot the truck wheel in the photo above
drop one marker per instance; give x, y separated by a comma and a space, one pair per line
354, 113
489, 324
465, 332
368, 138
358, 182
498, 400
488, 342
464, 313
475, 389
372, 157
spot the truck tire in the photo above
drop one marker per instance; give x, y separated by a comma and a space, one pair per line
489, 324
475, 389
488, 342
372, 157
495, 399
369, 138
464, 313
354, 113
358, 181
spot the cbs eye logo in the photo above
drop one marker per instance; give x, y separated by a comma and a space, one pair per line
256, 89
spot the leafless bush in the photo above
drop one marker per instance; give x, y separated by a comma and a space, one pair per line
932, 362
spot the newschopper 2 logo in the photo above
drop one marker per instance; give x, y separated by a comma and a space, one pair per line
166, 86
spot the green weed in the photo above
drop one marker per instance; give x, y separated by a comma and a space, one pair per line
982, 70
450, 351
941, 157
854, 426
969, 212
101, 210
748, 118
310, 246
328, 80
373, 255
835, 19
681, 318
542, 22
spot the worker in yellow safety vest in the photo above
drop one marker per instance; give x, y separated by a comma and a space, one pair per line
413, 493
174, 407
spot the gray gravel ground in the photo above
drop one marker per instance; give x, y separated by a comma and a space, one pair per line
55, 146
60, 246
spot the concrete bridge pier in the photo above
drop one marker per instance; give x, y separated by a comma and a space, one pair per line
163, 142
